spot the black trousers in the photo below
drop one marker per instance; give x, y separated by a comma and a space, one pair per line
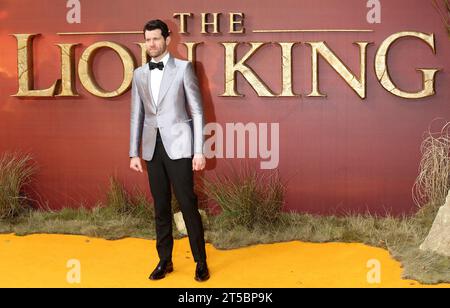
163, 174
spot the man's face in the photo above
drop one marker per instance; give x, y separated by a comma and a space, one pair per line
155, 43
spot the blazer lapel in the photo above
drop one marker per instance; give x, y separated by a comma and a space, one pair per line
148, 77
167, 79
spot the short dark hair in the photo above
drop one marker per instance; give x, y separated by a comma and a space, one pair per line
157, 24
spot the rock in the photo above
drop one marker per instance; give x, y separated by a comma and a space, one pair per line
179, 221
438, 240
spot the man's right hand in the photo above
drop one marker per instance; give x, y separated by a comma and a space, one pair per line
135, 164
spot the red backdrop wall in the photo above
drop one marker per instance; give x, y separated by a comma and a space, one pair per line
338, 153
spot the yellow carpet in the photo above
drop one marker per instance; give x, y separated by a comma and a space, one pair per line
42, 261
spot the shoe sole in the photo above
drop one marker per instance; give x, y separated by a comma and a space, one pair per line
202, 280
169, 270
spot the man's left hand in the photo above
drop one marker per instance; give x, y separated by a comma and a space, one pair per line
198, 162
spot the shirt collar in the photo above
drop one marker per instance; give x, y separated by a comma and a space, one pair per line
164, 59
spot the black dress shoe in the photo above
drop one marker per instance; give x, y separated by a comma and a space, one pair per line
163, 268
201, 272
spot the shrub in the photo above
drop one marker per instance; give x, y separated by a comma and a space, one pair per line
16, 171
247, 198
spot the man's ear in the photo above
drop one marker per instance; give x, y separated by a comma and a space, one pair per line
168, 40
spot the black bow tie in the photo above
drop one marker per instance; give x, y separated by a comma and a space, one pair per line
153, 65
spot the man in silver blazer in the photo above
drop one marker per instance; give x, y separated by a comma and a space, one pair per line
167, 122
